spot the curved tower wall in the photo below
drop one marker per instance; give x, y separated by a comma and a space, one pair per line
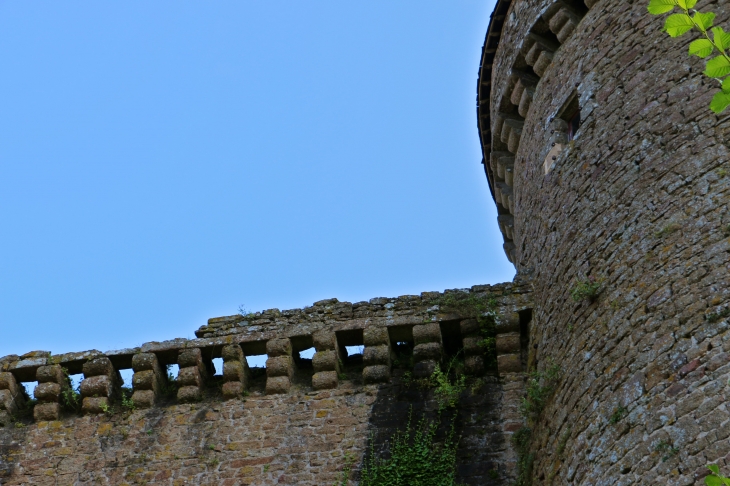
638, 201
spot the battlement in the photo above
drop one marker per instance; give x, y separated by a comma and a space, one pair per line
427, 327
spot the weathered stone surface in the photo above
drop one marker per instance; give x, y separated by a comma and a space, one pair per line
277, 384
100, 385
189, 376
508, 343
232, 352
323, 380
146, 380
7, 382
98, 367
232, 389
145, 362
47, 411
144, 398
509, 363
376, 355
190, 357
376, 374
375, 336
47, 392
280, 366
234, 371
52, 373
474, 365
189, 394
427, 333
424, 369
427, 351
469, 327
324, 340
278, 347
472, 346
95, 405
325, 361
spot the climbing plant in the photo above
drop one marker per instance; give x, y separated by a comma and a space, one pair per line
714, 40
415, 458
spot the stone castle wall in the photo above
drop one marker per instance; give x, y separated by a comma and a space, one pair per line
298, 421
638, 201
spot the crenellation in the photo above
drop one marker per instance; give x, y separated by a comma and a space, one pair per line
148, 380
193, 374
101, 385
52, 382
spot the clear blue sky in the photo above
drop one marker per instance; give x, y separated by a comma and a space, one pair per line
165, 162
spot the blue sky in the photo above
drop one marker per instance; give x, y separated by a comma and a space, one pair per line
165, 162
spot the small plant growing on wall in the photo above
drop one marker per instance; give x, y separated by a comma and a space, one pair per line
713, 41
415, 458
587, 289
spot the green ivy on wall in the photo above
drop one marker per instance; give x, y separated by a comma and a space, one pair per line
718, 43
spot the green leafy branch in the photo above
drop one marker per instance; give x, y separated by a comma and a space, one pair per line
716, 479
678, 24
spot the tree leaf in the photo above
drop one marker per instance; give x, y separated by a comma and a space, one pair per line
658, 7
726, 85
719, 102
704, 20
691, 3
713, 481
722, 38
717, 67
686, 4
714, 468
678, 24
700, 48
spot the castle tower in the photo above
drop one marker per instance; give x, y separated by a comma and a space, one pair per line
612, 177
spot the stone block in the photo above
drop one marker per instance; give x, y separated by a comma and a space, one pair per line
427, 333
146, 380
97, 386
8, 382
47, 392
98, 367
189, 376
8, 401
324, 380
377, 355
277, 384
508, 322
95, 405
189, 394
376, 374
474, 365
508, 343
144, 398
428, 351
280, 366
51, 374
472, 346
234, 371
47, 411
326, 361
324, 340
145, 362
278, 347
233, 389
424, 369
375, 336
232, 352
469, 327
189, 357
509, 363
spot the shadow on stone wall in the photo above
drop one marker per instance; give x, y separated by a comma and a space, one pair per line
477, 423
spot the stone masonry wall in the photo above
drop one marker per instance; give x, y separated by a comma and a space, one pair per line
298, 421
637, 201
